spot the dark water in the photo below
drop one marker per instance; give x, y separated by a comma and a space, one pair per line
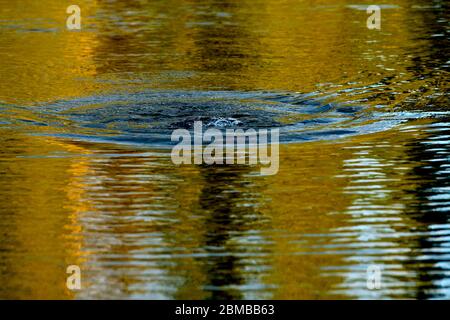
149, 118
86, 176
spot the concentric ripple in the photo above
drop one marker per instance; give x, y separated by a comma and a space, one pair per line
150, 117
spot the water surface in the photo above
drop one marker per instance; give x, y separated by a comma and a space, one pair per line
86, 177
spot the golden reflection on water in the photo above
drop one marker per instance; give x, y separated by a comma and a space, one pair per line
141, 227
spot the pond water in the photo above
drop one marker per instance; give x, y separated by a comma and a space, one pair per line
87, 179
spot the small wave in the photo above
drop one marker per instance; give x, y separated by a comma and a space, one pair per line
150, 117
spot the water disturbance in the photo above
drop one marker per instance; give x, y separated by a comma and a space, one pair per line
87, 179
